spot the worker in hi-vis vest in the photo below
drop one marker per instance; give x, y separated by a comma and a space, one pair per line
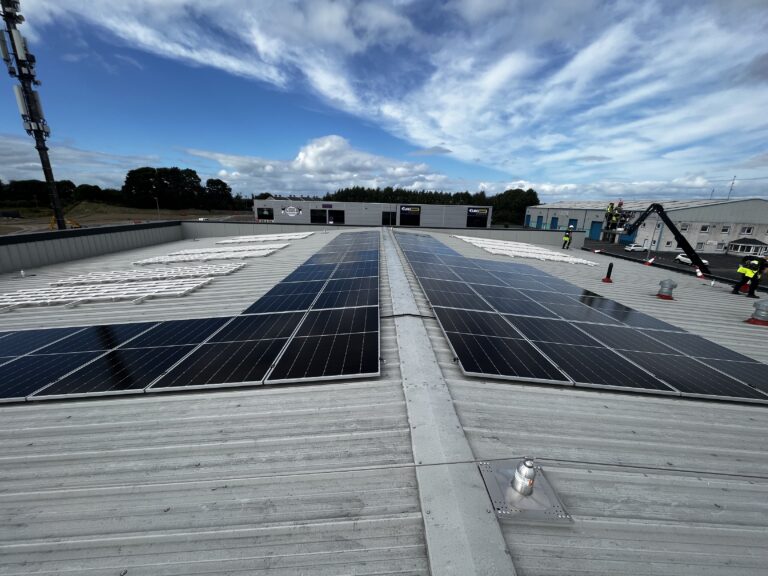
567, 238
751, 269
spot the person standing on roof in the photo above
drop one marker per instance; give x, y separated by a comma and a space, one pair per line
751, 269
567, 238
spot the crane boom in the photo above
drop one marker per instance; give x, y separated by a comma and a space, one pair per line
681, 241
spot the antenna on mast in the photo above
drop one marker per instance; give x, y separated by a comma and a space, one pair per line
21, 65
731, 190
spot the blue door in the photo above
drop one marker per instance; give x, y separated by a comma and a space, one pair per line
539, 221
553, 223
572, 222
527, 220
595, 229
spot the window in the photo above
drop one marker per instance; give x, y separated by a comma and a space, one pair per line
699, 245
335, 216
683, 227
658, 225
704, 228
725, 229
265, 214
389, 218
720, 246
747, 230
318, 216
668, 243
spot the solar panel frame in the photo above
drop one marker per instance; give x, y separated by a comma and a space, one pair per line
474, 322
28, 341
98, 338
696, 346
552, 330
752, 374
258, 327
178, 332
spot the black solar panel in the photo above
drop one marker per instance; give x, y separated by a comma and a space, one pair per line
549, 297
522, 307
97, 338
601, 367
325, 258
306, 273
511, 267
177, 332
696, 346
436, 271
521, 282
753, 374
360, 255
119, 371
259, 327
546, 330
340, 321
25, 341
580, 313
281, 303
429, 284
477, 276
472, 322
421, 257
335, 356
28, 374
692, 378
291, 288
640, 320
457, 300
622, 338
500, 292
356, 269
459, 261
232, 363
503, 357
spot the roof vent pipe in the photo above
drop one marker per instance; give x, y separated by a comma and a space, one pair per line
525, 473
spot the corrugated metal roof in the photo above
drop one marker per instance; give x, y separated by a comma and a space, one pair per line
321, 479
635, 205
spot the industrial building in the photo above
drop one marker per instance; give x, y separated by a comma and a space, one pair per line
294, 211
710, 226
388, 473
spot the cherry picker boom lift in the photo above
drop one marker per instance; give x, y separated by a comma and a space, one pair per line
681, 241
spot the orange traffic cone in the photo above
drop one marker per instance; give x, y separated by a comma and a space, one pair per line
649, 262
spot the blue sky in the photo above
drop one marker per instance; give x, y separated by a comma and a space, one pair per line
576, 98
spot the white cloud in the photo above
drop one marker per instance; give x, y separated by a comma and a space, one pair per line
585, 91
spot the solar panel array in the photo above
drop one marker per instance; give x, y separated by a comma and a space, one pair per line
320, 323
513, 321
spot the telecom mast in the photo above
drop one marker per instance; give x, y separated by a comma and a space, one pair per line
21, 65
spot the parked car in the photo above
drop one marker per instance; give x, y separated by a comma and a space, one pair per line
683, 259
634, 248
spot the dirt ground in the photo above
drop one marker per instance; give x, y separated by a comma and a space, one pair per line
89, 214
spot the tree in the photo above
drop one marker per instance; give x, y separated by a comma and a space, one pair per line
509, 206
217, 195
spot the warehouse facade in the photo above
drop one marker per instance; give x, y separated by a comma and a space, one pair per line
710, 226
293, 211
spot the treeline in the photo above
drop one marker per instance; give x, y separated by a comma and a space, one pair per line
508, 207
168, 188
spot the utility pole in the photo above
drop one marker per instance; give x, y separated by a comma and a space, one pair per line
731, 190
21, 65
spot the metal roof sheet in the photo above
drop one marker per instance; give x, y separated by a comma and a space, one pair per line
321, 479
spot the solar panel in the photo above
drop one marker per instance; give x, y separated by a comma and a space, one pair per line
360, 255
259, 327
27, 374
600, 367
521, 282
356, 269
177, 332
753, 374
322, 357
457, 300
25, 341
477, 276
621, 338
445, 286
436, 271
349, 292
281, 303
473, 322
692, 378
307, 272
324, 258
500, 292
522, 307
580, 313
639, 320
546, 330
421, 257
460, 261
503, 357
228, 363
340, 321
119, 371
697, 346
546, 298
494, 265
97, 338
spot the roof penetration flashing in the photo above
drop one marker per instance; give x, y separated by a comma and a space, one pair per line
520, 492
